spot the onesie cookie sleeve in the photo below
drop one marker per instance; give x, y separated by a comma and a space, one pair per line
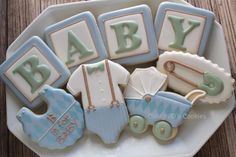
76, 81
119, 73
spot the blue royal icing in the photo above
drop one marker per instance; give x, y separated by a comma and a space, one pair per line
166, 106
48, 55
60, 126
130, 58
107, 122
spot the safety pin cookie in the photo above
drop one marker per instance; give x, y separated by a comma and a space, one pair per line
60, 126
187, 72
165, 111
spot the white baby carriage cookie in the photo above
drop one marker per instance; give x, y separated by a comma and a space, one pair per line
138, 84
165, 111
105, 111
187, 72
60, 126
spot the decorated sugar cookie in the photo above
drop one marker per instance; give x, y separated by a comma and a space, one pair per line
29, 68
187, 72
178, 25
145, 81
165, 111
60, 126
105, 110
129, 35
76, 40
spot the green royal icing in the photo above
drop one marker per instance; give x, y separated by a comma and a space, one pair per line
211, 84
76, 46
162, 130
137, 124
96, 67
180, 33
29, 74
123, 36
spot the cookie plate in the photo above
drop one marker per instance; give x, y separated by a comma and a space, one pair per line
192, 134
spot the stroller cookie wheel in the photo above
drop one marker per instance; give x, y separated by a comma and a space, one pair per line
163, 131
137, 124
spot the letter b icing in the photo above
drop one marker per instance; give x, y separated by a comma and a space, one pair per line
123, 36
28, 74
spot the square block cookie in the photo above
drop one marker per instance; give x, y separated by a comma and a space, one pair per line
29, 68
129, 35
182, 28
76, 40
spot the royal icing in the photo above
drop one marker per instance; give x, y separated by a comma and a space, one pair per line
76, 40
165, 111
102, 98
129, 35
60, 126
178, 25
138, 86
187, 72
32, 66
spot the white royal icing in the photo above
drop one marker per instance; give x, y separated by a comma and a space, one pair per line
201, 64
20, 82
98, 83
144, 81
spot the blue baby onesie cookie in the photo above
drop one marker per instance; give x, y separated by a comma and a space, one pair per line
106, 114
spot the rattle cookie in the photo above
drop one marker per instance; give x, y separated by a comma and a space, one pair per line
187, 72
165, 111
60, 126
178, 25
29, 68
129, 35
76, 40
105, 109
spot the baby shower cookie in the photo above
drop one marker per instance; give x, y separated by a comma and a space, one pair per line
145, 81
105, 110
60, 126
29, 68
178, 25
76, 40
129, 35
165, 111
187, 72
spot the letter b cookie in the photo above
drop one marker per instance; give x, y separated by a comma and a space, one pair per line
30, 67
129, 35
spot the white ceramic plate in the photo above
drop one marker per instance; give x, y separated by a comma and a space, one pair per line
203, 121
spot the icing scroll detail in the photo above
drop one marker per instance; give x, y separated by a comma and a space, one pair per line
123, 36
180, 33
75, 45
212, 84
28, 74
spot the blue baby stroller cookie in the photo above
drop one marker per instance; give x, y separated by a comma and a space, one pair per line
165, 111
